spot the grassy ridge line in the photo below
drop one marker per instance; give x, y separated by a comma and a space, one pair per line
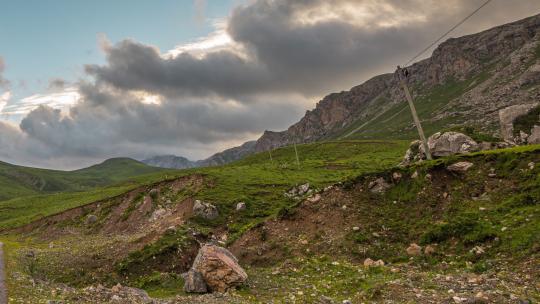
18, 181
20, 211
254, 180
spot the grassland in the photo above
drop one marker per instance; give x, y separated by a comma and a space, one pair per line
18, 181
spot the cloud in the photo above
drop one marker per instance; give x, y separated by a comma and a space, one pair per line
260, 69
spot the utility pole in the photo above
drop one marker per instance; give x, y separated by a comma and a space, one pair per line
296, 152
402, 81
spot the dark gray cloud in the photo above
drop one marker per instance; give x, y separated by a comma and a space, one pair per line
56, 84
284, 53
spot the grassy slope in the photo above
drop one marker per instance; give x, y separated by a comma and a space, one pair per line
456, 225
18, 181
255, 180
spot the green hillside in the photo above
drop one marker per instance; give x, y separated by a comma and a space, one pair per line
255, 179
19, 181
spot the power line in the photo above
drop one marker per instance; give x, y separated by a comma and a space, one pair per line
448, 32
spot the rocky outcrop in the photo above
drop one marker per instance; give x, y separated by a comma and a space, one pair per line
218, 267
508, 115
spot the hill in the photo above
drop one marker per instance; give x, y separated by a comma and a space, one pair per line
18, 181
480, 226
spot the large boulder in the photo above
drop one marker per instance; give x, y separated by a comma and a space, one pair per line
219, 268
449, 143
205, 210
509, 114
440, 144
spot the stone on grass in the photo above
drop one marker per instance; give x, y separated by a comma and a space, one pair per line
205, 210
378, 186
90, 219
429, 250
460, 167
219, 268
414, 250
240, 206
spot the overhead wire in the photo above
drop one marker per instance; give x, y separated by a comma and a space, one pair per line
448, 32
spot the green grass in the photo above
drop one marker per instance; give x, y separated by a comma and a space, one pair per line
18, 181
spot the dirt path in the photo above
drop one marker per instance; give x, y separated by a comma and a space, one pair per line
3, 289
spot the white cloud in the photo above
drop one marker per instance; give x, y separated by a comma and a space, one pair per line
217, 40
62, 100
4, 98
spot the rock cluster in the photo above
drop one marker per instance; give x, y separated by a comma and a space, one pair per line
299, 191
214, 269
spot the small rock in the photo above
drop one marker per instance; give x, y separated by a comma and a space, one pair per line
315, 198
378, 186
477, 250
355, 228
194, 282
414, 250
531, 165
460, 167
90, 219
240, 206
303, 189
157, 214
504, 228
346, 302
396, 176
414, 175
154, 193
368, 262
116, 298
429, 250
428, 177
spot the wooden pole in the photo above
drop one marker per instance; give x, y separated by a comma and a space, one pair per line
414, 114
270, 152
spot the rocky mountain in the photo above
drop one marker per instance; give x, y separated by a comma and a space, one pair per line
467, 80
179, 162
170, 161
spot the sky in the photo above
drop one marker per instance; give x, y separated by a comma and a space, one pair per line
83, 81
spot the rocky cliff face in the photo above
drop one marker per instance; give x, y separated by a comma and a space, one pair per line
467, 80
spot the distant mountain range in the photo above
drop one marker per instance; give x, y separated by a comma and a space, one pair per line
466, 81
179, 162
